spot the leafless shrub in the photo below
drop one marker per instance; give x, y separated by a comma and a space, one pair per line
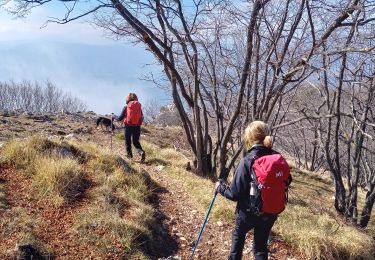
34, 98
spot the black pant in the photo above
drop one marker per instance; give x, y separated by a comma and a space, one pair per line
132, 132
262, 227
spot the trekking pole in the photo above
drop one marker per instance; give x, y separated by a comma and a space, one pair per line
204, 223
111, 129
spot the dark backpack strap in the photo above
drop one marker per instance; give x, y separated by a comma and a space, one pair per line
255, 201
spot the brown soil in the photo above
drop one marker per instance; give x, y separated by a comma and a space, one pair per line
53, 226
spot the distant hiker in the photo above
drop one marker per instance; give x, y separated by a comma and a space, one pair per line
132, 118
259, 186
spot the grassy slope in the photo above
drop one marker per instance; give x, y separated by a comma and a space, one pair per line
309, 223
117, 219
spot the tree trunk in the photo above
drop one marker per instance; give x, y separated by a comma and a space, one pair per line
367, 209
339, 194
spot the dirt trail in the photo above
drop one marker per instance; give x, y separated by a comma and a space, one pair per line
180, 221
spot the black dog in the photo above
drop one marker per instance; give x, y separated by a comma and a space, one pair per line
105, 122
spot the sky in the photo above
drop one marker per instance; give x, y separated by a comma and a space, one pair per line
78, 58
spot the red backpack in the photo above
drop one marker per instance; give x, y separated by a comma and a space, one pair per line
133, 114
270, 174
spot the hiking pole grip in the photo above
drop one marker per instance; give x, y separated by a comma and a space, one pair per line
204, 222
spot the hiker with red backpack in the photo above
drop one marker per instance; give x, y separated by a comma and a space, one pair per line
132, 118
260, 188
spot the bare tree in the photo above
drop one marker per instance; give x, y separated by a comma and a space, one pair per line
228, 63
151, 109
27, 97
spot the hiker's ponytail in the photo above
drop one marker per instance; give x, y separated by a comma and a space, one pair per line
268, 142
257, 132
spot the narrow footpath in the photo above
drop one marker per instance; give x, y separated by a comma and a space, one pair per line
180, 222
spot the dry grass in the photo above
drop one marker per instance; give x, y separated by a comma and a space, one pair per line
320, 236
309, 223
118, 218
21, 154
54, 176
59, 179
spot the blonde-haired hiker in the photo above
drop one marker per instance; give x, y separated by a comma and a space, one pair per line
132, 118
259, 187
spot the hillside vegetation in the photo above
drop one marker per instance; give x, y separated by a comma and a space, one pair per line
105, 199
71, 197
309, 223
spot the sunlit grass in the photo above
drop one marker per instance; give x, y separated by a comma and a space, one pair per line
309, 223
59, 179
118, 218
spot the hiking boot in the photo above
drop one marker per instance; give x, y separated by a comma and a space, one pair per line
143, 156
129, 156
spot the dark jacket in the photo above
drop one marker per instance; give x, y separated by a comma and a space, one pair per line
122, 115
239, 189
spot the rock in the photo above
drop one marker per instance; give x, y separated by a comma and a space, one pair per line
171, 258
64, 151
60, 132
4, 112
123, 164
182, 239
27, 251
42, 118
219, 223
159, 168
70, 135
194, 211
83, 130
12, 113
27, 113
67, 150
